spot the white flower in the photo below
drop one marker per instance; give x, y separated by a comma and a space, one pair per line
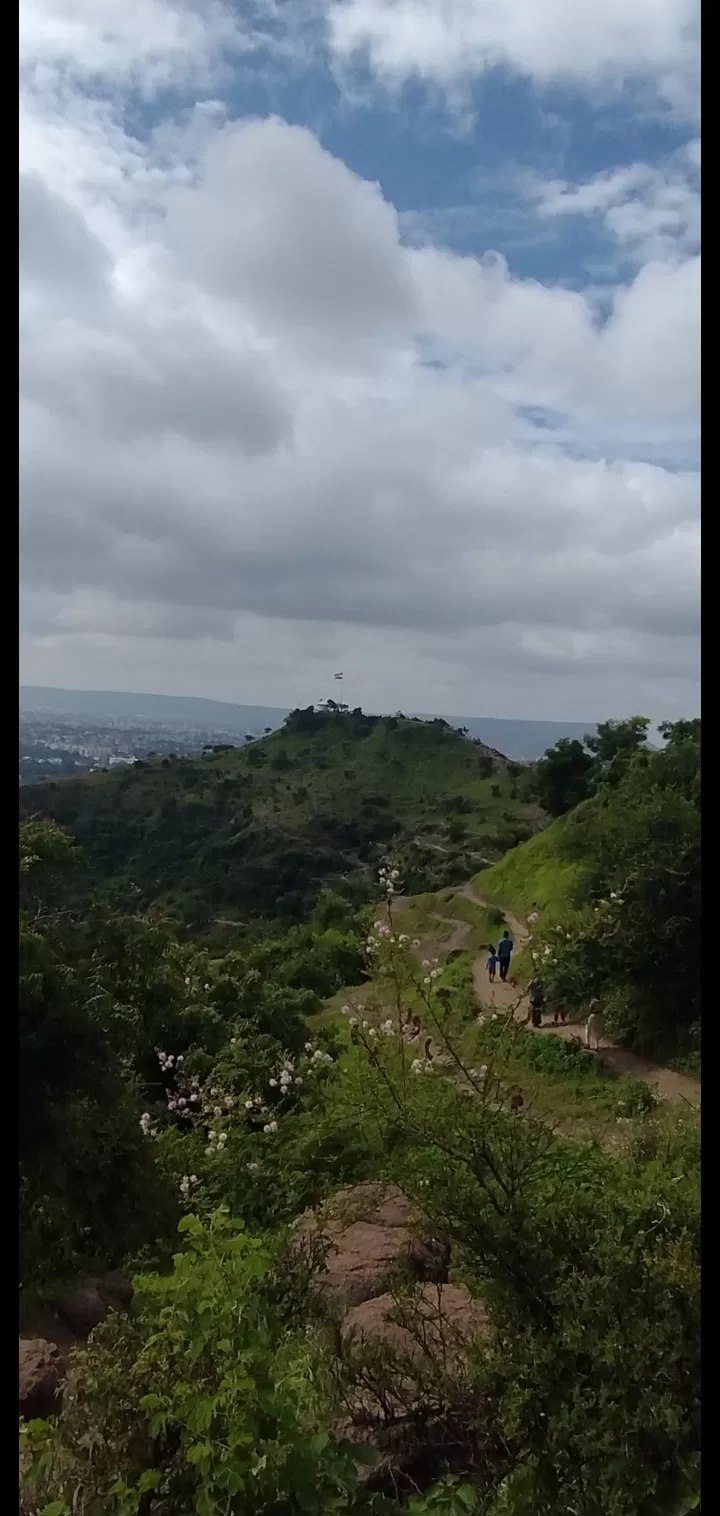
193, 1179
273, 1084
249, 1105
298, 1080
425, 963
252, 1167
270, 1126
233, 1041
482, 1071
222, 1138
308, 1047
387, 1027
427, 979
435, 973
353, 1021
217, 1110
372, 1033
228, 1102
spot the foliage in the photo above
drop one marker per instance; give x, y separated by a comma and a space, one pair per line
265, 830
202, 1403
590, 1267
634, 939
571, 770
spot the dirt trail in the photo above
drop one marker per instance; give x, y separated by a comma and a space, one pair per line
669, 1084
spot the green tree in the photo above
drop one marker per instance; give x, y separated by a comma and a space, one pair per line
563, 776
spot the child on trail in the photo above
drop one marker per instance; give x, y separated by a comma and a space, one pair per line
504, 953
492, 964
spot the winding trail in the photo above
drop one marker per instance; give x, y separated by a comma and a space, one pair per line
510, 998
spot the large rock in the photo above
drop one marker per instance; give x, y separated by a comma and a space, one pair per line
436, 1322
83, 1308
406, 1360
42, 1373
366, 1236
115, 1290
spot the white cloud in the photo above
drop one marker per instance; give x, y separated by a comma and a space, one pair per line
260, 436
652, 211
602, 43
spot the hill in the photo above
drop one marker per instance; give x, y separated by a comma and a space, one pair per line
261, 830
616, 883
523, 740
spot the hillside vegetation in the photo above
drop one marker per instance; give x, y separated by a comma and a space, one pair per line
258, 831
184, 1104
617, 884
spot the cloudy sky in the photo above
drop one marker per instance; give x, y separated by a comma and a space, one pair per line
362, 335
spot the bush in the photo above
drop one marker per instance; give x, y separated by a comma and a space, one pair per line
199, 1403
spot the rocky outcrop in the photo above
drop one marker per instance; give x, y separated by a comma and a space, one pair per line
435, 1322
42, 1373
85, 1306
366, 1236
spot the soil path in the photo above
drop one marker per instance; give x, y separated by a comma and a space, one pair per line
669, 1084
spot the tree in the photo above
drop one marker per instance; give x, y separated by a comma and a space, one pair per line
563, 776
614, 744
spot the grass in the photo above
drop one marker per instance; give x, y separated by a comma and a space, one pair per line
535, 874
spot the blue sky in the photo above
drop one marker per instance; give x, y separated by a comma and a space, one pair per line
324, 300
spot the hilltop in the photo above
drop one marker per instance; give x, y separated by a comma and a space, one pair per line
523, 740
261, 830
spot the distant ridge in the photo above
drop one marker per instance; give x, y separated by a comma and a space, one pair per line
517, 739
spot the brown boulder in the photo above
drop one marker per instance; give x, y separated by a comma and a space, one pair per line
83, 1308
436, 1322
366, 1235
42, 1372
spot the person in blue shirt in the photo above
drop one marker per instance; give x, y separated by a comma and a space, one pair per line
492, 964
504, 952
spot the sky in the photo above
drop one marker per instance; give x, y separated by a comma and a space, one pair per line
362, 335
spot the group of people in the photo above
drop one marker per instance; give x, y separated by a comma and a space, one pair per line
498, 961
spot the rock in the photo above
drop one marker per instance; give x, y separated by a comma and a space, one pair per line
367, 1234
403, 1413
83, 1308
115, 1290
435, 1322
42, 1372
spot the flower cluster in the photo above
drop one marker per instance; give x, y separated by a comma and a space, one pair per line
187, 1183
388, 879
147, 1126
421, 1066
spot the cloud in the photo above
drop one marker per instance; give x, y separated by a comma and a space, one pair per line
652, 211
602, 45
261, 435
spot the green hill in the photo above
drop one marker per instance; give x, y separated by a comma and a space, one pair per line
261, 830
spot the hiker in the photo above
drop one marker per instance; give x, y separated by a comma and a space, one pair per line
492, 964
504, 954
537, 1000
561, 1011
594, 1026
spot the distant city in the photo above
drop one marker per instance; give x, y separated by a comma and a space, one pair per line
80, 731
